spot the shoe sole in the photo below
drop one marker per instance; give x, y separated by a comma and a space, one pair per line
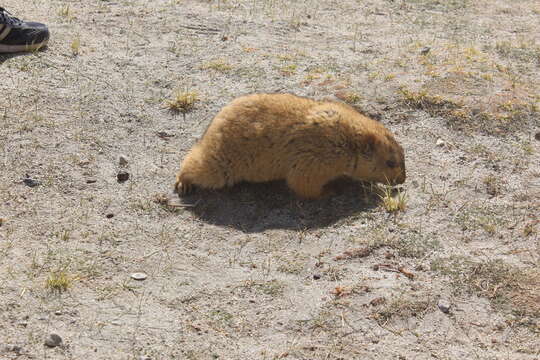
22, 48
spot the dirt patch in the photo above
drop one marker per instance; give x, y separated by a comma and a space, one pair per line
93, 130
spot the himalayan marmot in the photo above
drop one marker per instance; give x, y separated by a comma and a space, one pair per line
264, 137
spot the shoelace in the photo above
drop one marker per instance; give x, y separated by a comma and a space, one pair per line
7, 19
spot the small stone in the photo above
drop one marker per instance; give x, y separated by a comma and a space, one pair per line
122, 160
139, 276
444, 306
316, 276
145, 358
53, 340
28, 181
425, 50
440, 142
109, 216
378, 301
2, 221
57, 312
13, 348
91, 181
164, 135
122, 176
537, 136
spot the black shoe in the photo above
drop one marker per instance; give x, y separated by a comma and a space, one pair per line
17, 35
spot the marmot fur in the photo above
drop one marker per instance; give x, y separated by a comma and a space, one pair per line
264, 137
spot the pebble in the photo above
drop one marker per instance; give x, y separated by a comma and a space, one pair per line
444, 306
53, 340
164, 135
13, 348
440, 142
537, 136
316, 276
28, 181
145, 358
122, 160
139, 276
57, 312
378, 301
91, 181
425, 50
122, 176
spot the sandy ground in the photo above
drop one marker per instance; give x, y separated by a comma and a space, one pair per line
253, 272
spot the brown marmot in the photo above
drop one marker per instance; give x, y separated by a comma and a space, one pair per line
264, 137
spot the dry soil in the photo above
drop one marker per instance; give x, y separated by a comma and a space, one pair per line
253, 272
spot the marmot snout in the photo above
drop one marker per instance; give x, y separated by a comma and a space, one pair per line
308, 143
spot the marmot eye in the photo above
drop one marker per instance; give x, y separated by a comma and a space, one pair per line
391, 164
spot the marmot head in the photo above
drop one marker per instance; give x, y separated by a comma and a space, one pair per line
381, 159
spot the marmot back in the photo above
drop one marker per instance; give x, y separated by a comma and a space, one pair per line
264, 137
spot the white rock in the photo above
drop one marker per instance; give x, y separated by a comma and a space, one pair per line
123, 160
444, 306
139, 276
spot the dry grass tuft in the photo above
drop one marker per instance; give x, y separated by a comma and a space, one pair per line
59, 281
219, 65
496, 118
473, 91
393, 202
76, 46
493, 185
401, 308
183, 101
529, 228
66, 12
507, 287
435, 104
349, 97
412, 245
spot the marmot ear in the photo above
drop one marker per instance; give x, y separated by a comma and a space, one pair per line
369, 144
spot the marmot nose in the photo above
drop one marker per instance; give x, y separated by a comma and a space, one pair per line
400, 179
